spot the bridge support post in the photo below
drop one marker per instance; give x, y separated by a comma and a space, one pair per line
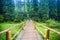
34, 23
46, 34
23, 26
8, 35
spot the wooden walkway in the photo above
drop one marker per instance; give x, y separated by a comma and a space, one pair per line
29, 33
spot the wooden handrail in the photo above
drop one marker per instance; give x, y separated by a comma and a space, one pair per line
47, 30
51, 29
9, 29
40, 32
34, 23
8, 32
16, 33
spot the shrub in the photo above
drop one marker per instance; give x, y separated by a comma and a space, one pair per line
1, 18
52, 23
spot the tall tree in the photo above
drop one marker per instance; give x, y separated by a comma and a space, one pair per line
1, 6
58, 10
52, 9
44, 11
8, 9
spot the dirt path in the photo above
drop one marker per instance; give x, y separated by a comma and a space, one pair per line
29, 33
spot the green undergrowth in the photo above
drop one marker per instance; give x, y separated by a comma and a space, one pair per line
6, 25
51, 24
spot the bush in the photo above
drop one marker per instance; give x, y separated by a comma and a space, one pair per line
1, 18
52, 23
58, 25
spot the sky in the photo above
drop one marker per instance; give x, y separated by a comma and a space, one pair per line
18, 0
23, 0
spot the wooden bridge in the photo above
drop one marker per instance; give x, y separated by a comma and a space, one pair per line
28, 32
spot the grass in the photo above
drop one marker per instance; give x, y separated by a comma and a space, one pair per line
52, 24
6, 25
40, 28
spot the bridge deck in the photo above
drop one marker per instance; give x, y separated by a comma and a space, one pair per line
29, 33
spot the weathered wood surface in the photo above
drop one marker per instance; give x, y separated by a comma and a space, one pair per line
29, 33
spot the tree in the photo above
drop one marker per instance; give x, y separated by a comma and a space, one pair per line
8, 9
58, 10
53, 9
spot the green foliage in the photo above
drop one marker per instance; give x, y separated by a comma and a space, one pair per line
1, 18
52, 23
39, 11
6, 25
54, 36
55, 25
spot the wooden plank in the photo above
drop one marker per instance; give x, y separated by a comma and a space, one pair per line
29, 33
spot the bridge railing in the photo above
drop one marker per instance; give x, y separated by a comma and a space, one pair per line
47, 31
8, 31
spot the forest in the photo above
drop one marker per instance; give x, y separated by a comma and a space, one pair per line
40, 11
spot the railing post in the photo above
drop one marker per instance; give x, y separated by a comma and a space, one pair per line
23, 26
46, 34
34, 24
8, 35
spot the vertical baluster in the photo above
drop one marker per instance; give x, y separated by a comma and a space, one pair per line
34, 23
46, 34
23, 26
8, 35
